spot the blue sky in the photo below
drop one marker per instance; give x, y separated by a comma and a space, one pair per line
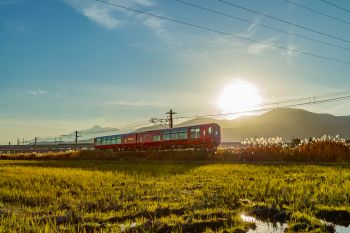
72, 64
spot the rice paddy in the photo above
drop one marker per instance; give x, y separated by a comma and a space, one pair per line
116, 196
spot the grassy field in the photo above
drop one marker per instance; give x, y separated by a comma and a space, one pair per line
114, 196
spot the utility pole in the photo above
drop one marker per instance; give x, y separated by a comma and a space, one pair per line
76, 138
171, 113
35, 143
55, 144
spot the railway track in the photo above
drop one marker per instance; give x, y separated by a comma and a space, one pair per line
45, 147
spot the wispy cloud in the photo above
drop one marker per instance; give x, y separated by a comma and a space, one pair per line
131, 103
37, 92
9, 2
106, 16
14, 26
101, 16
258, 48
251, 30
289, 54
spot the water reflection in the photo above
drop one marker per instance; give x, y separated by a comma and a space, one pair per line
342, 229
267, 227
264, 227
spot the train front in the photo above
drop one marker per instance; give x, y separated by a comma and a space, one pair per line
216, 135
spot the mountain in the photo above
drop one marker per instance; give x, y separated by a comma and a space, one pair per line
287, 123
98, 128
86, 135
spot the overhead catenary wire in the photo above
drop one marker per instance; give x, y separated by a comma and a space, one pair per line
317, 12
276, 104
226, 33
261, 25
304, 101
335, 5
331, 94
282, 20
119, 129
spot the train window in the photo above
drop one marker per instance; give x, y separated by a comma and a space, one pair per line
140, 139
103, 140
183, 134
109, 141
166, 135
195, 133
174, 134
119, 140
209, 130
156, 138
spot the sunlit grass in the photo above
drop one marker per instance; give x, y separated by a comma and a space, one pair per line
77, 196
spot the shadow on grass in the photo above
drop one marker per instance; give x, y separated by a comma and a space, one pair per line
134, 168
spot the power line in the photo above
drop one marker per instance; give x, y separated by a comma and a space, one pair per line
226, 34
335, 5
304, 101
332, 94
281, 20
114, 130
309, 101
317, 12
261, 25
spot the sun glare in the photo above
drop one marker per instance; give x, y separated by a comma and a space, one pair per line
239, 96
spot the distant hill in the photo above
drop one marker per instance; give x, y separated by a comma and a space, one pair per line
287, 123
95, 130
86, 135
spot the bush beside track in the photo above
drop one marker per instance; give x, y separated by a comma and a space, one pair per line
330, 153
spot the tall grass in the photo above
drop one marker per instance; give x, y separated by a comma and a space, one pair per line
323, 149
87, 196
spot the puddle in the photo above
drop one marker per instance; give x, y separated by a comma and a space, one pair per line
339, 228
268, 227
342, 229
264, 227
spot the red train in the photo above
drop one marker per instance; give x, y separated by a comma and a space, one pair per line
205, 136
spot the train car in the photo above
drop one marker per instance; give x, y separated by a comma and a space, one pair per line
206, 136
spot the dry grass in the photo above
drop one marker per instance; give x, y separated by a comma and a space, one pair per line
108, 196
324, 149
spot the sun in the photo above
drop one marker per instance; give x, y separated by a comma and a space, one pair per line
238, 97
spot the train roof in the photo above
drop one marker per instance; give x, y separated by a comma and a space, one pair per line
156, 130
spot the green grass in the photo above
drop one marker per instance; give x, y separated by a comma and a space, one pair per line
107, 196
